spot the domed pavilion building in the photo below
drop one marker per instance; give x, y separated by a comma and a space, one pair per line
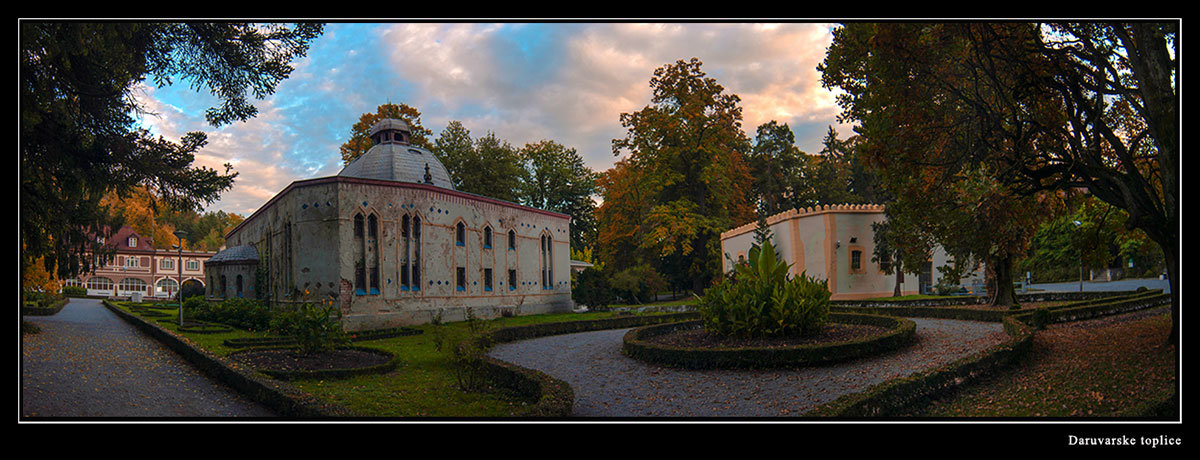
391, 242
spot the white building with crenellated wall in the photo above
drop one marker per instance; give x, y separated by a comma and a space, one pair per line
835, 243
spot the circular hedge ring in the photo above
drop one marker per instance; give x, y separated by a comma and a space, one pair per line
900, 332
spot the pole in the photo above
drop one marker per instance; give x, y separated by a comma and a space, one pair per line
180, 234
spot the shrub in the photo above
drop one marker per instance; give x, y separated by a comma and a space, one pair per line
240, 313
74, 291
592, 288
317, 328
763, 301
637, 284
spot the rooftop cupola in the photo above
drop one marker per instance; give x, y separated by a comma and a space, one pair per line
390, 131
394, 158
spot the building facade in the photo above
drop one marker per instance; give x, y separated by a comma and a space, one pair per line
391, 242
835, 243
140, 269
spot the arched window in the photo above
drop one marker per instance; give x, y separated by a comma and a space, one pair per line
166, 287
487, 237
372, 251
132, 285
512, 240
547, 261
239, 285
100, 283
405, 237
416, 254
224, 287
460, 234
360, 261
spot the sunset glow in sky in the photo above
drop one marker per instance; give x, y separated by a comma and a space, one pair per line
568, 82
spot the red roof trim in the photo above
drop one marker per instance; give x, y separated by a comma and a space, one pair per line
387, 183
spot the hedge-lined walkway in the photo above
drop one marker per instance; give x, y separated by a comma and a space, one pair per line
87, 362
608, 384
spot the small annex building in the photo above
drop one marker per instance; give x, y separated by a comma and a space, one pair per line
835, 243
391, 242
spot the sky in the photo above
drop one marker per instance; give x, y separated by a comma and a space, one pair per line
567, 82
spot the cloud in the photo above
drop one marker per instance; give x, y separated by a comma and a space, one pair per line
571, 82
568, 82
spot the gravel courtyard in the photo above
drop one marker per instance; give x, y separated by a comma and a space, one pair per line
609, 384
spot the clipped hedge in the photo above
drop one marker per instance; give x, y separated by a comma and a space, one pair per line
330, 374
993, 315
549, 396
360, 336
514, 333
49, 309
1095, 309
897, 396
279, 396
900, 332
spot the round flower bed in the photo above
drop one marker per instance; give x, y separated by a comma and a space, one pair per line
291, 364
847, 336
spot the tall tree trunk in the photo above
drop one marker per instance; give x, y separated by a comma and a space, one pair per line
1001, 282
899, 281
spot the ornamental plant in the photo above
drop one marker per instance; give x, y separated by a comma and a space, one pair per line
762, 300
317, 328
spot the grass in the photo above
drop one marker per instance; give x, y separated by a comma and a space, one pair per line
424, 385
1090, 368
666, 303
915, 297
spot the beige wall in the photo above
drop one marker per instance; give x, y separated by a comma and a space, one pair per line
323, 260
818, 241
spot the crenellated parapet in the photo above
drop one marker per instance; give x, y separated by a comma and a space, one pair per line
804, 212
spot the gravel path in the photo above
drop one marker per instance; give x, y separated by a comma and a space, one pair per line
87, 362
609, 384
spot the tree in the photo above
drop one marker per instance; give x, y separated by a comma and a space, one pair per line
889, 258
1048, 106
557, 180
78, 136
932, 155
487, 166
776, 165
360, 134
689, 146
626, 192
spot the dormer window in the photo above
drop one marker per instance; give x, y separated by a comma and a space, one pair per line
132, 241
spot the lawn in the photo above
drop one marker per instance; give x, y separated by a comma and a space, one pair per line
424, 385
1100, 367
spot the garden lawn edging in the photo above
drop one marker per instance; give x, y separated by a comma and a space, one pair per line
900, 332
898, 395
361, 336
48, 310
995, 315
550, 397
277, 395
